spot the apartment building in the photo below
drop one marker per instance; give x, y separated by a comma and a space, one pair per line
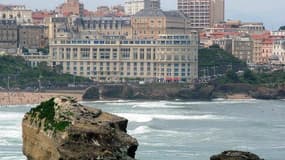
8, 35
33, 36
203, 13
134, 6
20, 13
58, 28
168, 58
242, 48
278, 52
96, 27
150, 23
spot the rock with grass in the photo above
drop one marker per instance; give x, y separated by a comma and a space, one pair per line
62, 129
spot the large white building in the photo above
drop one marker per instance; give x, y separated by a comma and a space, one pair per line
203, 13
134, 6
166, 59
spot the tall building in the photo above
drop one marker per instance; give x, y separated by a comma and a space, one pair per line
203, 13
134, 6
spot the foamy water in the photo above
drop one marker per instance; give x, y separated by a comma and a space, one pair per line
177, 130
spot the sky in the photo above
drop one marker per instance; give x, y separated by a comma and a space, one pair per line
271, 12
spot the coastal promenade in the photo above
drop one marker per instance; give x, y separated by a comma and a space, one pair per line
17, 98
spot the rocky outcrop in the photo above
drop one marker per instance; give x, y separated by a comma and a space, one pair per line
62, 129
269, 93
183, 92
150, 92
235, 155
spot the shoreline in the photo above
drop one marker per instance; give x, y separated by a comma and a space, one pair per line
24, 98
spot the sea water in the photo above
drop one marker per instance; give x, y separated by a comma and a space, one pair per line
177, 130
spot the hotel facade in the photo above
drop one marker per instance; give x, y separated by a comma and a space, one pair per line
170, 58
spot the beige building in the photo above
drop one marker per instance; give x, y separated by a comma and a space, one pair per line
242, 48
252, 28
203, 13
18, 12
257, 51
134, 6
58, 28
168, 58
150, 23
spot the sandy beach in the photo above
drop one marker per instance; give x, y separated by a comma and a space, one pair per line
238, 96
17, 98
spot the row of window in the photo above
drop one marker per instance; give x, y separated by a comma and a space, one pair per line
161, 42
126, 55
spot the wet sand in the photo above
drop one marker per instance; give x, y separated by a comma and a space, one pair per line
17, 98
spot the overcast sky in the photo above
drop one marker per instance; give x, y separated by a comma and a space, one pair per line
272, 12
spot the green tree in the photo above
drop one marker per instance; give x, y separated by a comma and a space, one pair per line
232, 77
250, 77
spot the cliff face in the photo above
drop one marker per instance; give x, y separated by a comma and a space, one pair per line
62, 129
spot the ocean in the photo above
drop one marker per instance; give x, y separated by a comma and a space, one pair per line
177, 130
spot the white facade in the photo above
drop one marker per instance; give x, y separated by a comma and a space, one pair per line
169, 58
134, 6
278, 52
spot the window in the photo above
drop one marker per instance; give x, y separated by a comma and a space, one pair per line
125, 53
85, 53
75, 51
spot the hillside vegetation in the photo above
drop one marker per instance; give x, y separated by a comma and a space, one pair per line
21, 75
220, 59
228, 65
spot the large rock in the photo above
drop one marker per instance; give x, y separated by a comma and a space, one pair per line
62, 129
235, 155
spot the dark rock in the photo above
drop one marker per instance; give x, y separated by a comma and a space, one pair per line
183, 92
91, 93
235, 155
265, 93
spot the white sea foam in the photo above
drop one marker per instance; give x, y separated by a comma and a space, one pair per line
6, 116
10, 134
140, 130
147, 129
149, 117
278, 147
113, 101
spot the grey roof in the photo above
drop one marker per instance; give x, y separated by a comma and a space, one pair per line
175, 13
150, 12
